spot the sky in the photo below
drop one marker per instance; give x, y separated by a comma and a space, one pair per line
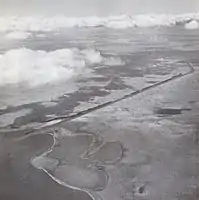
96, 7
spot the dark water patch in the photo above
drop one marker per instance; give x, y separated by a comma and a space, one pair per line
116, 84
141, 189
170, 111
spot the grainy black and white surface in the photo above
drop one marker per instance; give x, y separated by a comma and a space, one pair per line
143, 147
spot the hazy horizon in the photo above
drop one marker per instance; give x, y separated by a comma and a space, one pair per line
96, 7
